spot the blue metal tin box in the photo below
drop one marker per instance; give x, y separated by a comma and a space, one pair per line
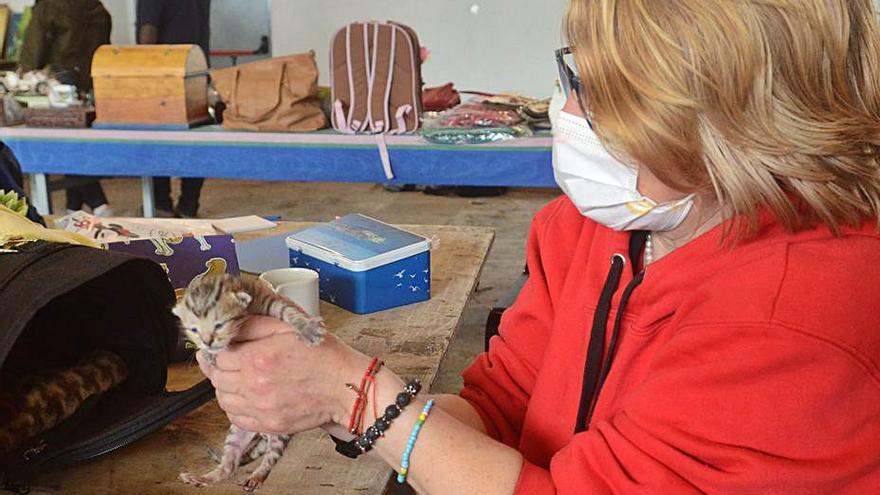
364, 265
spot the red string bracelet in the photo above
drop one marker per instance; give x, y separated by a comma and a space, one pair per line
356, 421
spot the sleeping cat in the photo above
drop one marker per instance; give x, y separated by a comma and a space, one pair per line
211, 312
38, 401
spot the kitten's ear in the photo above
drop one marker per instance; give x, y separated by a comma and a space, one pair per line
177, 310
243, 298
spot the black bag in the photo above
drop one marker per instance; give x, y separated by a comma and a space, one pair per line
59, 302
11, 179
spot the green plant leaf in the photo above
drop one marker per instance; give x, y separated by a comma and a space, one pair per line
11, 200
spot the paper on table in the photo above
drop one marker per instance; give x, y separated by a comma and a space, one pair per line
106, 230
248, 223
263, 254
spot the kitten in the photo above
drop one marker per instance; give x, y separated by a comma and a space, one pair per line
41, 400
212, 311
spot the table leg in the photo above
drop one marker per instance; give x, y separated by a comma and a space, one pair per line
147, 188
40, 194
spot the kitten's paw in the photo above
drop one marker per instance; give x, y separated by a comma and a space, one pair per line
312, 331
194, 480
210, 357
214, 455
252, 484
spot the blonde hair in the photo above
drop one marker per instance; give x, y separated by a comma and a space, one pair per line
770, 103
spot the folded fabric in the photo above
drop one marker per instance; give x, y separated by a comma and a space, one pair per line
440, 98
477, 135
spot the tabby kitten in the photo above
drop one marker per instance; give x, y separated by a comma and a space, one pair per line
212, 311
41, 400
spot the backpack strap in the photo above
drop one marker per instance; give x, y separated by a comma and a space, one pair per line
372, 54
356, 67
400, 117
380, 94
386, 101
340, 81
384, 156
381, 81
406, 93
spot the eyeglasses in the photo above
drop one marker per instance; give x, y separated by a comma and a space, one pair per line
571, 82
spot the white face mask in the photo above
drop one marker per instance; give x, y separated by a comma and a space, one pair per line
601, 187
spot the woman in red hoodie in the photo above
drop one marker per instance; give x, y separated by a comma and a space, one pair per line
701, 313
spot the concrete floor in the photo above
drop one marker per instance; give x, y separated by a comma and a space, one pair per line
509, 215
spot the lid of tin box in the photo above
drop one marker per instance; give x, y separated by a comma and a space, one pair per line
357, 243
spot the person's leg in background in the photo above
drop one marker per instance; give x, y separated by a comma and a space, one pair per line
75, 197
90, 193
93, 195
162, 197
190, 190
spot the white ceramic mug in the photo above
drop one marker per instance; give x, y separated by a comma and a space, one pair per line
300, 285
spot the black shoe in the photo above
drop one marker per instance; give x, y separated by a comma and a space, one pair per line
163, 213
182, 213
402, 187
466, 191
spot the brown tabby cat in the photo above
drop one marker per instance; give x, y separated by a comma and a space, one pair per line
211, 312
39, 401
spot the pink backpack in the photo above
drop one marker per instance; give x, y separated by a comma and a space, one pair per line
376, 78
376, 81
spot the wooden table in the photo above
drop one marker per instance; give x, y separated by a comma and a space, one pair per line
412, 340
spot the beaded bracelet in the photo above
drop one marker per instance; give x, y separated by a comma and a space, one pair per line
364, 442
404, 460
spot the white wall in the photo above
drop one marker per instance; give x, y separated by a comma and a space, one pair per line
18, 5
122, 13
491, 45
237, 25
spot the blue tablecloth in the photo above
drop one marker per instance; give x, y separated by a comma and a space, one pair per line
324, 156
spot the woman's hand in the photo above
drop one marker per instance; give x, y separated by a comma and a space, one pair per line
271, 382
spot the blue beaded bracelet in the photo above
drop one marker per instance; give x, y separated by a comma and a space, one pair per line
404, 461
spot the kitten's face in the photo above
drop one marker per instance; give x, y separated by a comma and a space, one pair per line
211, 312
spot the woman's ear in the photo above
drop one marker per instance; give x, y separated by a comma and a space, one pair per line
572, 106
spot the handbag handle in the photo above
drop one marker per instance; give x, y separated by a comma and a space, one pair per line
253, 119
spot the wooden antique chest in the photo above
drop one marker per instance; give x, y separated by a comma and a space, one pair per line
150, 86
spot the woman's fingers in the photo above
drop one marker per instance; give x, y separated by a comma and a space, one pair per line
204, 365
261, 327
245, 422
234, 404
232, 359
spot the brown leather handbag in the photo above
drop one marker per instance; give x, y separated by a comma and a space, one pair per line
276, 94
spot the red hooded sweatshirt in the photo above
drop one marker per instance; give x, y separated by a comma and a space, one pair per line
745, 370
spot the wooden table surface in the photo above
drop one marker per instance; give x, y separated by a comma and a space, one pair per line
411, 339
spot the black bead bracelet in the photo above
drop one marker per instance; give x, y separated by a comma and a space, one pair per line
364, 443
